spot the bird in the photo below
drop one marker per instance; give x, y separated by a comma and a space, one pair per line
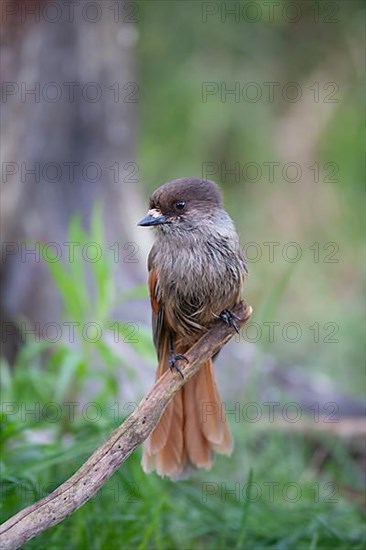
196, 271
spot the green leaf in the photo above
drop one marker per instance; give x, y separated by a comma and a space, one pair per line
68, 369
101, 267
69, 291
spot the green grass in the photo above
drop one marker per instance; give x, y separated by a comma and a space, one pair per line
266, 495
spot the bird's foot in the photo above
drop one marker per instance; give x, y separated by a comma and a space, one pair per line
174, 360
230, 319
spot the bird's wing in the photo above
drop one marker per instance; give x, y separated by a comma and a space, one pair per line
156, 304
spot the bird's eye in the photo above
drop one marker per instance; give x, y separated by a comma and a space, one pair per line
179, 205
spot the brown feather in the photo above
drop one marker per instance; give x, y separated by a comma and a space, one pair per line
159, 437
226, 446
187, 431
148, 461
152, 281
209, 404
196, 445
170, 461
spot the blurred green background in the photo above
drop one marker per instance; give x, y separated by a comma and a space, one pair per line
315, 469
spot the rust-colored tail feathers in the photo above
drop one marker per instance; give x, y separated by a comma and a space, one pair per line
191, 427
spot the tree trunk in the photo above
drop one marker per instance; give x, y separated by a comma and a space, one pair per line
69, 102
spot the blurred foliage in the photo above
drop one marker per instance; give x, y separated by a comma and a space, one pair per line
177, 53
270, 493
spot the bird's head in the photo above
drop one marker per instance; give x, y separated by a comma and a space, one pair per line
183, 205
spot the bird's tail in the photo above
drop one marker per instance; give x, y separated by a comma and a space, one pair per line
192, 426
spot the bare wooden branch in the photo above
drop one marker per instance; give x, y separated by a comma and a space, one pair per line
79, 488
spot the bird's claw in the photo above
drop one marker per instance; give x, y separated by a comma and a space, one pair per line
230, 319
174, 360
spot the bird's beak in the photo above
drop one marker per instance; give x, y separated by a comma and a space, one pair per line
154, 217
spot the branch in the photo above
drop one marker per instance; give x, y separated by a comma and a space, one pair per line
79, 488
